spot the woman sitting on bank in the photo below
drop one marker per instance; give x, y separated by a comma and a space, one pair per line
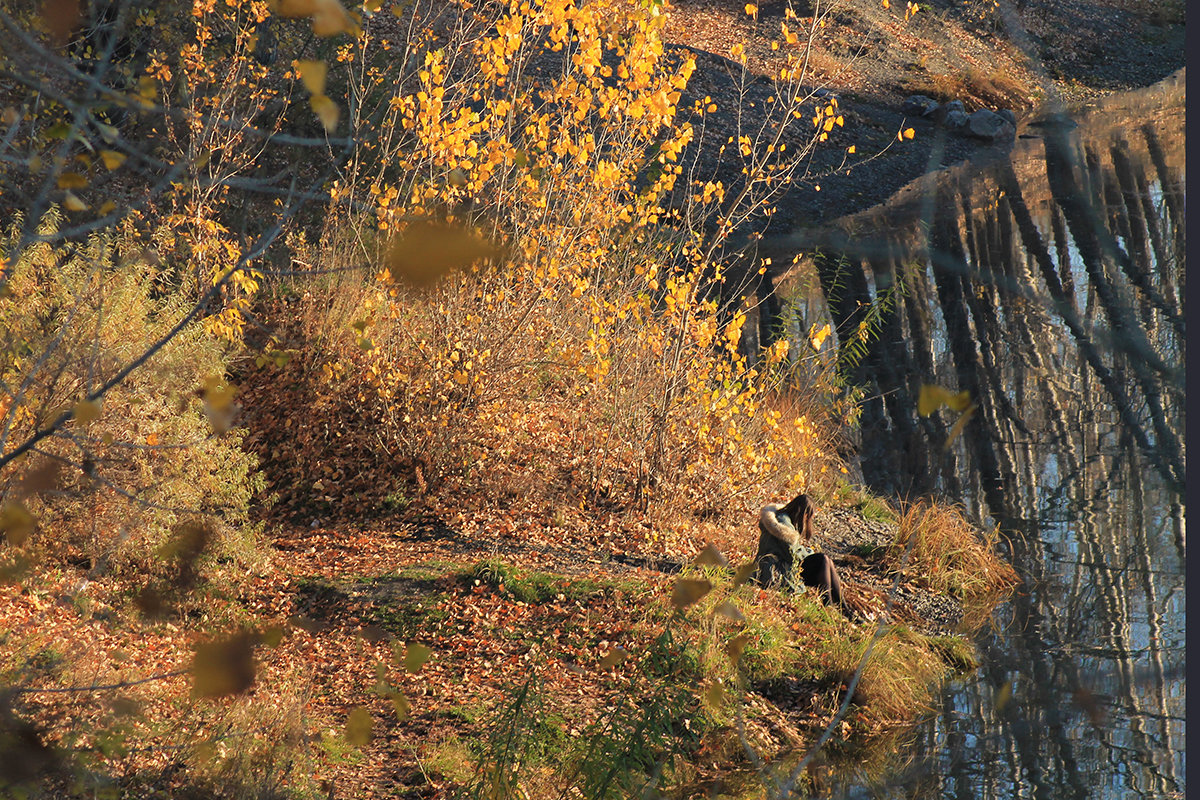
784, 545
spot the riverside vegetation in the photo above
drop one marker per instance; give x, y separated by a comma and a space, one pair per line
363, 371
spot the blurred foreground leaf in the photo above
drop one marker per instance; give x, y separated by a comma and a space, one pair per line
326, 110
735, 647
313, 73
729, 611
60, 17
415, 657
224, 667
218, 402
710, 556
16, 523
614, 657
958, 426
744, 572
401, 706
358, 727
40, 479
687, 591
427, 251
328, 16
933, 397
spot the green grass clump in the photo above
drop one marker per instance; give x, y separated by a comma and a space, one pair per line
957, 652
532, 586
868, 505
627, 749
412, 617
798, 636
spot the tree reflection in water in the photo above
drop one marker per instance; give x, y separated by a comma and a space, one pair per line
1051, 287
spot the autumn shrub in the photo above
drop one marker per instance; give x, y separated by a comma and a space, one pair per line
551, 154
119, 489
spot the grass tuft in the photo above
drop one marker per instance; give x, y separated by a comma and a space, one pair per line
947, 553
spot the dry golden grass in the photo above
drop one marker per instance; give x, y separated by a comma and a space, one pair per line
974, 87
939, 548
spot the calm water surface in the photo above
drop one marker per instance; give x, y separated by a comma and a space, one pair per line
1051, 286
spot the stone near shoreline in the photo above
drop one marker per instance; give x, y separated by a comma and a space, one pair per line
955, 120
983, 124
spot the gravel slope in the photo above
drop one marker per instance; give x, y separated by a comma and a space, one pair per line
871, 58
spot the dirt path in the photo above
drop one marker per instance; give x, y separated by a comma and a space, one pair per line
342, 558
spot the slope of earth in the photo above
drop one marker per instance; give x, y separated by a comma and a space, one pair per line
871, 57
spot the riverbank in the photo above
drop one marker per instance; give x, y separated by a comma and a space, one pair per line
473, 650
483, 629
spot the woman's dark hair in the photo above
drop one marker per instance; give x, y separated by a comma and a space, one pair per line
800, 511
